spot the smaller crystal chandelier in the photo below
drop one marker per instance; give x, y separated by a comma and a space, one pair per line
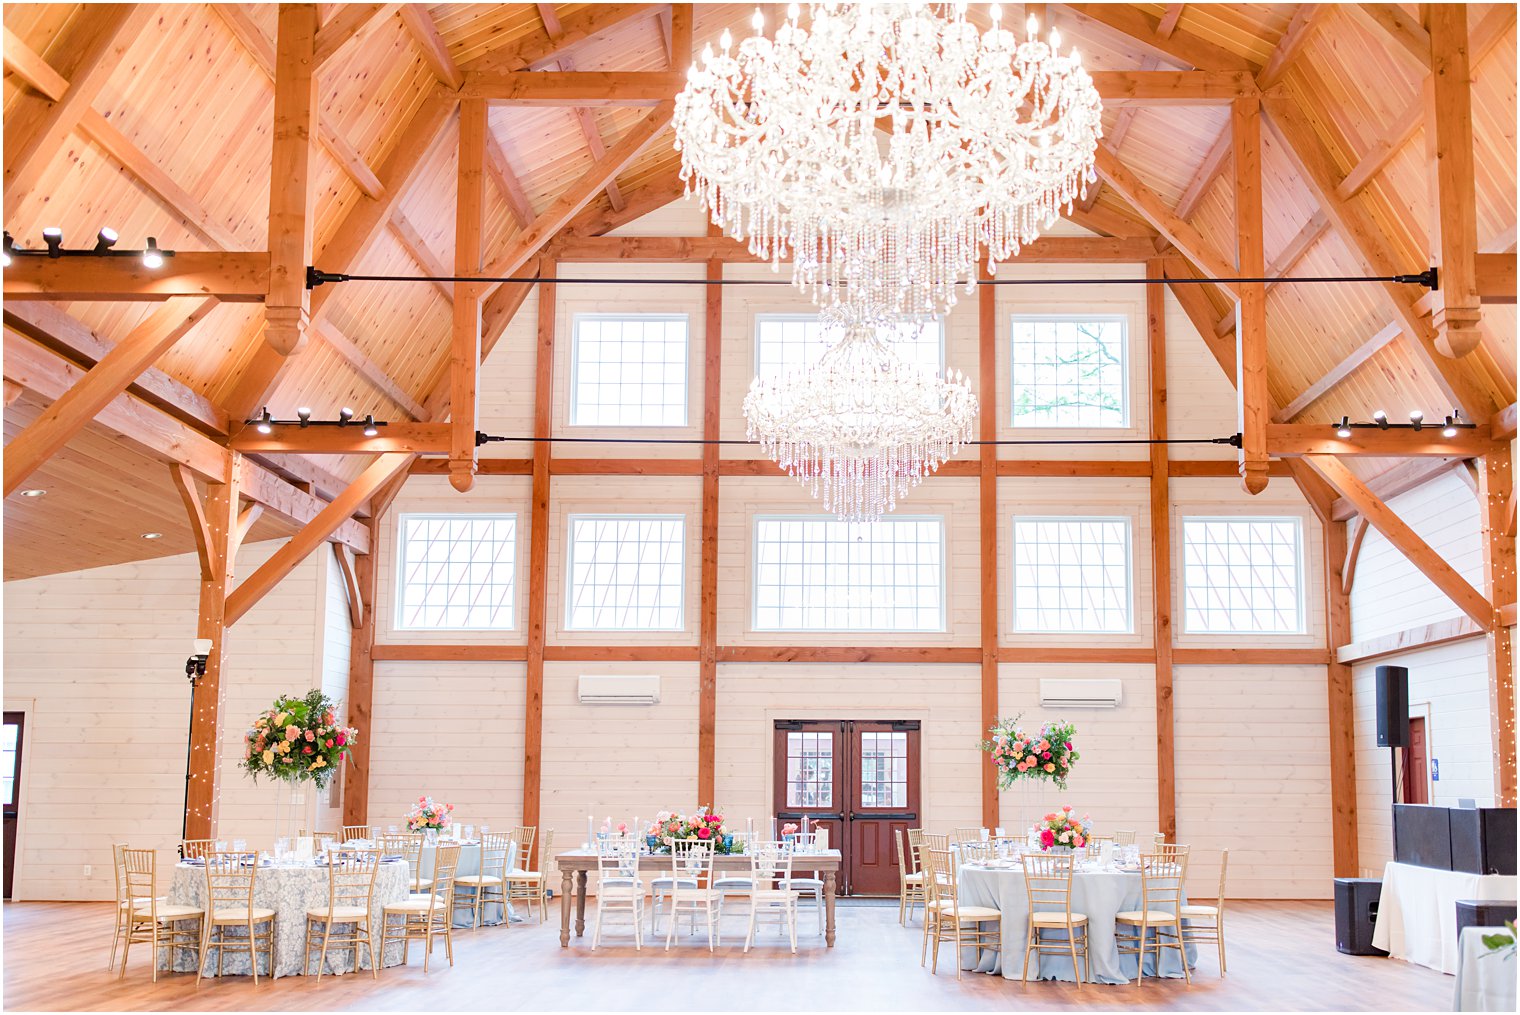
863, 424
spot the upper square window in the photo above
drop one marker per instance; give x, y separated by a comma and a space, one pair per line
629, 370
1070, 372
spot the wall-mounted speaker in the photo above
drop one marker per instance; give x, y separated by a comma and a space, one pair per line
1392, 706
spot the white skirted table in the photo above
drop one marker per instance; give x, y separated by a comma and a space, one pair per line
469, 864
1485, 980
1417, 911
289, 888
1100, 893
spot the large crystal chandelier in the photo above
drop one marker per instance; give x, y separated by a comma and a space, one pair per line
863, 424
881, 145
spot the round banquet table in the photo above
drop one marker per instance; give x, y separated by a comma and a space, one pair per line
1099, 892
289, 888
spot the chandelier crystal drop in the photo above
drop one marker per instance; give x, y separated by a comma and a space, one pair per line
862, 425
881, 146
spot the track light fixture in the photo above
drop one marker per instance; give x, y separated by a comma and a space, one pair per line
265, 424
152, 255
1449, 428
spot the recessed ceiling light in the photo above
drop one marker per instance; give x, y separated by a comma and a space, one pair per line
34, 493
153, 535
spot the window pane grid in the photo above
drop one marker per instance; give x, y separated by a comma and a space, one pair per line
457, 572
1242, 575
627, 573
785, 343
1069, 372
884, 770
821, 574
629, 371
810, 769
1071, 574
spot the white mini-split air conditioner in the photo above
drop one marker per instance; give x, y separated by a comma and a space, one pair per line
618, 689
1081, 693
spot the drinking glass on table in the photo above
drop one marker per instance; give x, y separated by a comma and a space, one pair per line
485, 830
221, 845
239, 845
392, 829
469, 832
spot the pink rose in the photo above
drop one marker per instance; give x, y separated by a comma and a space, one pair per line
306, 749
341, 740
1047, 838
704, 833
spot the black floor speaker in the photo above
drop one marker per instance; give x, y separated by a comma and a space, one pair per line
1356, 903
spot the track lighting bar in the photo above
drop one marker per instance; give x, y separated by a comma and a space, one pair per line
152, 255
264, 423
1449, 427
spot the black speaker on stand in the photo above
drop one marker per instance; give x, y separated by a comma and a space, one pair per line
1393, 716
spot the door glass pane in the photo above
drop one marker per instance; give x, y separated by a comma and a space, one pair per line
884, 770
8, 761
810, 770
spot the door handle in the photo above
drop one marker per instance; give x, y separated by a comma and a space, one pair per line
811, 816
892, 816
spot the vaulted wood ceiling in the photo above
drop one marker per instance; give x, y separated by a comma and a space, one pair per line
175, 143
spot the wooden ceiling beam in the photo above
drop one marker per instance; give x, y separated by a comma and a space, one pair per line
598, 217
1390, 22
1338, 373
1503, 423
1252, 397
1283, 263
1320, 439
37, 128
73, 340
22, 61
422, 255
1180, 46
590, 20
1455, 307
464, 346
1306, 18
313, 534
348, 23
292, 199
1406, 540
261, 51
1407, 475
1367, 244
500, 171
429, 438
1486, 34
1214, 163
584, 118
419, 23
1200, 311
1169, 18
232, 277
68, 414
1160, 215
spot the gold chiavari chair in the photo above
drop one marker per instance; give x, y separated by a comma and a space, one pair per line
910, 883
364, 832
426, 915
976, 852
194, 849
968, 834
149, 919
1161, 878
408, 846
350, 893
524, 835
473, 891
1122, 838
1047, 883
123, 900
230, 879
532, 885
317, 835
1204, 923
947, 919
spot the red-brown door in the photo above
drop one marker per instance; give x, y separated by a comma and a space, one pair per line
860, 781
10, 771
1416, 764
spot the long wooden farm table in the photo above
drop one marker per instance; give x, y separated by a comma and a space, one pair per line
576, 865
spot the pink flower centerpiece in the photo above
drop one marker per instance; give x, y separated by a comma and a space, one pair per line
428, 814
1059, 829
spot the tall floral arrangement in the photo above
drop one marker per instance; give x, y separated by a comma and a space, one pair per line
428, 813
707, 827
298, 740
1017, 754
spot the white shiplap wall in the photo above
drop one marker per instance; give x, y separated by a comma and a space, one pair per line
96, 658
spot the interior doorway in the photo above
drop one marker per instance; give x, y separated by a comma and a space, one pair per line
10, 770
1417, 763
859, 779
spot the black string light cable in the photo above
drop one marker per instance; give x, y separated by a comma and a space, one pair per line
1428, 278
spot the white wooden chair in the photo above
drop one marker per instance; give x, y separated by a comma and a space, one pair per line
692, 892
809, 887
618, 888
770, 865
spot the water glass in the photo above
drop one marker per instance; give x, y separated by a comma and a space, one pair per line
392, 830
469, 831
485, 829
239, 845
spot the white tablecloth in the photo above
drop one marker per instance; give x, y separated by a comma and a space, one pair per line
1417, 911
290, 890
1485, 980
469, 864
1099, 893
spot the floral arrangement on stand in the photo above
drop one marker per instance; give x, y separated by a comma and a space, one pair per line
298, 740
1048, 755
1060, 830
428, 815
706, 827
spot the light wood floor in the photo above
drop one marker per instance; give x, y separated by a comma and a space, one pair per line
1282, 957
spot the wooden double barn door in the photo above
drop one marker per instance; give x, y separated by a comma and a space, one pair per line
859, 780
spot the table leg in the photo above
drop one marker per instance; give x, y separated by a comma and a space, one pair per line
580, 903
828, 908
566, 890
